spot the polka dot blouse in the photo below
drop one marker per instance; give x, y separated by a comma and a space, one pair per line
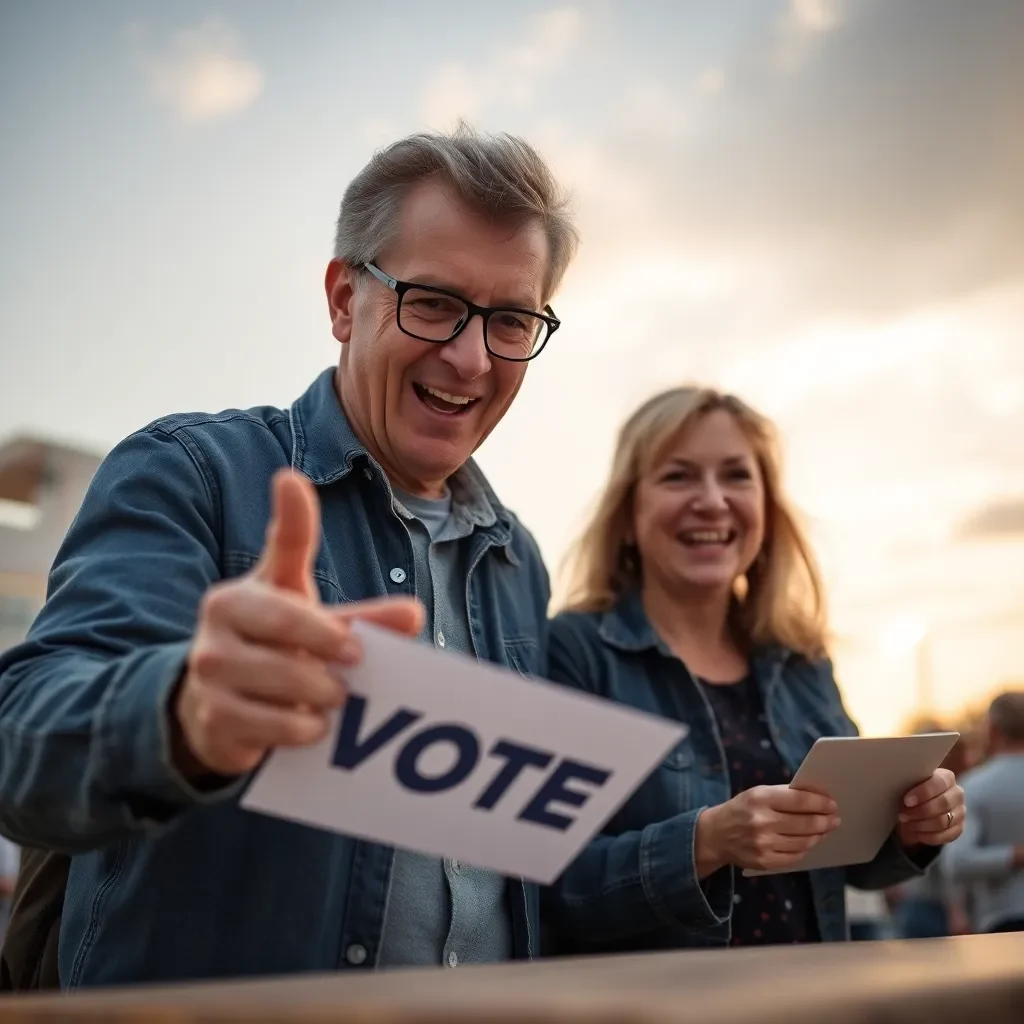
774, 909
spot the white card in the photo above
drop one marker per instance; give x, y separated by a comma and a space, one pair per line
438, 753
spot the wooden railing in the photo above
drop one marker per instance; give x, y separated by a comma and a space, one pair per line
976, 979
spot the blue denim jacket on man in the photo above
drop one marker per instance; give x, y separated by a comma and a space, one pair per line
167, 881
635, 885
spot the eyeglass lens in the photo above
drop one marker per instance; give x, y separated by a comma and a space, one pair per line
434, 317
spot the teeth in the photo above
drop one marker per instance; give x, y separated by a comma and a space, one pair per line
707, 536
445, 397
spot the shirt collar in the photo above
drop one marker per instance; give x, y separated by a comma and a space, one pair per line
325, 447
626, 626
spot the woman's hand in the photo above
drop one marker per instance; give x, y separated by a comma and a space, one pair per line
933, 812
767, 827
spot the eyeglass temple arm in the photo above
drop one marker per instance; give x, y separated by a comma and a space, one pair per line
390, 282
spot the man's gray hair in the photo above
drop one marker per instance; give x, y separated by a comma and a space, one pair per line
501, 176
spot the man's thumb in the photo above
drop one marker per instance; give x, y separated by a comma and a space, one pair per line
293, 536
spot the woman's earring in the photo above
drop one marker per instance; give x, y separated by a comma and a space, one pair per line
629, 559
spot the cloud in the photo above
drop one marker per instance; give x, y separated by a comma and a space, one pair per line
999, 519
884, 176
510, 73
203, 74
802, 23
450, 94
813, 16
711, 81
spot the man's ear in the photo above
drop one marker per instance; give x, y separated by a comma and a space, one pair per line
340, 286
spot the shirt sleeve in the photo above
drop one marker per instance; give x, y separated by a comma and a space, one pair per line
620, 887
969, 858
85, 745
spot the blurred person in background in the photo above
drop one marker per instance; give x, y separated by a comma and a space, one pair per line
695, 596
930, 906
183, 638
28, 950
868, 915
988, 859
9, 857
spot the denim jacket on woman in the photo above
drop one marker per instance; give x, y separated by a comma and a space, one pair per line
635, 885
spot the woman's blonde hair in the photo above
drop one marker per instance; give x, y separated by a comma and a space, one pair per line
781, 600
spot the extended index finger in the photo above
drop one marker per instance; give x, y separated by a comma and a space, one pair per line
400, 614
278, 618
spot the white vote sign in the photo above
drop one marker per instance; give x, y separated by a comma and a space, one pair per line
444, 755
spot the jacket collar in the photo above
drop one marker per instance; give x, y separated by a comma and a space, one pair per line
325, 448
626, 627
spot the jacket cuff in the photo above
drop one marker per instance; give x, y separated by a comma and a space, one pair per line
894, 863
135, 749
920, 857
668, 874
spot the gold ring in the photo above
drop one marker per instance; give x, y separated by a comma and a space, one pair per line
949, 819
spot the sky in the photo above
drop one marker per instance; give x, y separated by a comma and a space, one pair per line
814, 203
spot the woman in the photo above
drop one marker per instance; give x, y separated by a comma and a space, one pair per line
695, 596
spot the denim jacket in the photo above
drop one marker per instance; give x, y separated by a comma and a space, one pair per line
635, 885
167, 882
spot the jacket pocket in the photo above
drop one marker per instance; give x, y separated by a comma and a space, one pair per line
238, 563
522, 655
680, 758
676, 777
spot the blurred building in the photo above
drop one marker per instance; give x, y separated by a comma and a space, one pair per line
41, 489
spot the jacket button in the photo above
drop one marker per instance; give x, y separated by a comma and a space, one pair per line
397, 575
356, 954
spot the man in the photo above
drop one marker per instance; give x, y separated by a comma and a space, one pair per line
988, 858
183, 638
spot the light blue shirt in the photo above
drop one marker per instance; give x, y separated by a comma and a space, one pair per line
444, 912
981, 859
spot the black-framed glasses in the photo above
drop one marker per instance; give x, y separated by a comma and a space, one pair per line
438, 315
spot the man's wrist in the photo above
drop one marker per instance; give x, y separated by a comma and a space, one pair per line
183, 757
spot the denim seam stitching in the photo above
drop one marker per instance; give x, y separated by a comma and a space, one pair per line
656, 904
85, 946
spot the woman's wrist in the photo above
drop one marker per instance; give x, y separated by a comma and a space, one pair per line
707, 853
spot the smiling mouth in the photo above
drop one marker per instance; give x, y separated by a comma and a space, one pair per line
707, 538
444, 402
